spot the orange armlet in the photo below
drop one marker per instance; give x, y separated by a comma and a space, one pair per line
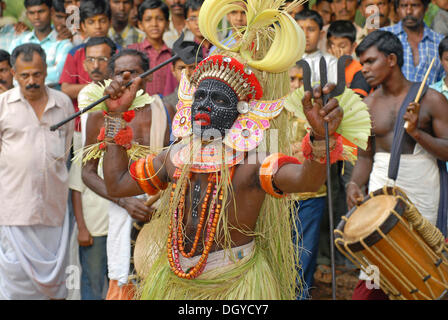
152, 175
138, 174
269, 168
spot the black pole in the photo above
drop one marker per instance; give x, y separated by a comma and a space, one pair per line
330, 214
93, 104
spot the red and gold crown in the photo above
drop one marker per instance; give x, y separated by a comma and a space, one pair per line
232, 72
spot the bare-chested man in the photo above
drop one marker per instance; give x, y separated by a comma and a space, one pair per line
151, 128
425, 139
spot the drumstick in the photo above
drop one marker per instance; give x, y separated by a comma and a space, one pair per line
419, 93
152, 200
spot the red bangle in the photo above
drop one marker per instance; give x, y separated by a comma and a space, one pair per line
310, 153
269, 168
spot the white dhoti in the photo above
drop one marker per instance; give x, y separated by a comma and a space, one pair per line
418, 176
119, 244
33, 261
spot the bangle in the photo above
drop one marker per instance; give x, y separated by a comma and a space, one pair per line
269, 168
316, 150
142, 180
349, 183
152, 175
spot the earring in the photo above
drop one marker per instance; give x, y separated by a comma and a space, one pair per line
242, 107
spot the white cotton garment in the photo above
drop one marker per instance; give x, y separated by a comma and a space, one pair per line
33, 261
418, 177
119, 244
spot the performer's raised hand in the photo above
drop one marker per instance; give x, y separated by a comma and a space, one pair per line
317, 114
121, 98
411, 117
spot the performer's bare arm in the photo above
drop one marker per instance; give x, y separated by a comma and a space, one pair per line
436, 105
311, 175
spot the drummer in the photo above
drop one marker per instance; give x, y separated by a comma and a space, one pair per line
425, 139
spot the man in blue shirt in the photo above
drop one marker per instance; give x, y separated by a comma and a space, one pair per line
39, 14
420, 43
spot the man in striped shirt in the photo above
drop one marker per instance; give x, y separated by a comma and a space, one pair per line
420, 43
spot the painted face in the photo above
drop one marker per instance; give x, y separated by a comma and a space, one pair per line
214, 109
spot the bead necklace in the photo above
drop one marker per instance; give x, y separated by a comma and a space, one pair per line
175, 243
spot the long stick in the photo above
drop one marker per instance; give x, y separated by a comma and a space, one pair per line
93, 104
419, 93
330, 216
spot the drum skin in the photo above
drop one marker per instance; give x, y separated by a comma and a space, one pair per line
409, 268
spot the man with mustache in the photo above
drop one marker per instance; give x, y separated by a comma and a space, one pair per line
420, 43
34, 219
177, 23
381, 8
90, 210
5, 72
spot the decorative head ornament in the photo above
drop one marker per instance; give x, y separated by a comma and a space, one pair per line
267, 47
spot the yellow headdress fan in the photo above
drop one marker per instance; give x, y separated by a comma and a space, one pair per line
287, 46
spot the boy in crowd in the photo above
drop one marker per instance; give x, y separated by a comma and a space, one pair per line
39, 14
179, 65
236, 20
295, 77
311, 23
192, 8
95, 22
442, 85
133, 15
323, 7
5, 72
341, 37
59, 19
153, 19
121, 32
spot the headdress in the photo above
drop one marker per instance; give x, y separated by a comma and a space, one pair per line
254, 67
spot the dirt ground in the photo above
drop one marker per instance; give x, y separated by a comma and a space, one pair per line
346, 280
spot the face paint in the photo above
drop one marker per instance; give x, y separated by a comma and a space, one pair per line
214, 109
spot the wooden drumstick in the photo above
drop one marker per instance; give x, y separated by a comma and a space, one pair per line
419, 93
152, 200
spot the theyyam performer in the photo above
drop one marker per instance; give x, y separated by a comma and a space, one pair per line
223, 226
